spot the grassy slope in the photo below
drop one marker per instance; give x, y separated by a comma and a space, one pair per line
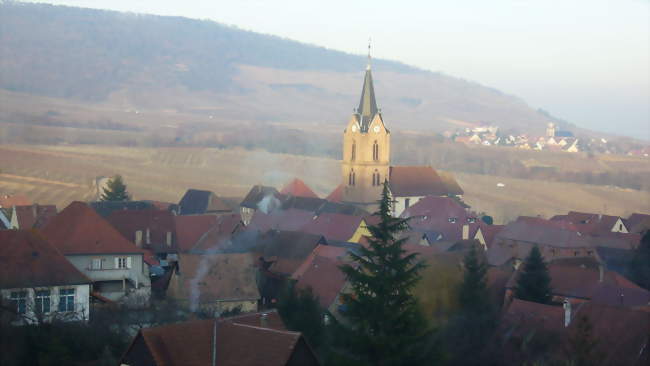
66, 173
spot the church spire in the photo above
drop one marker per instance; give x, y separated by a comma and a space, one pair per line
367, 105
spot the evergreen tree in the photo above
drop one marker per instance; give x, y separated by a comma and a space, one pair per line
468, 331
115, 190
534, 282
301, 311
639, 267
384, 325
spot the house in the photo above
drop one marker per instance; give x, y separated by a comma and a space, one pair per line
580, 280
298, 188
148, 229
222, 342
105, 208
32, 216
114, 264
409, 184
189, 229
259, 198
197, 202
11, 200
215, 283
638, 223
530, 332
591, 223
220, 235
444, 215
38, 283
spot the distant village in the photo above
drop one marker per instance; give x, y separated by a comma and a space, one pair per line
554, 140
225, 264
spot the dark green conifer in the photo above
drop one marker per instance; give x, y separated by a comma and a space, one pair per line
534, 282
639, 268
115, 190
382, 323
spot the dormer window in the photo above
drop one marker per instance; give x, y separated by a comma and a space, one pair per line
452, 220
471, 220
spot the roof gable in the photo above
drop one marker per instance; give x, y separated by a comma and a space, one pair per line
197, 202
78, 229
298, 188
28, 260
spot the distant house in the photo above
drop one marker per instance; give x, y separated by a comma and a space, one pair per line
197, 202
148, 229
114, 264
261, 198
11, 200
216, 282
106, 208
445, 215
409, 184
248, 340
38, 283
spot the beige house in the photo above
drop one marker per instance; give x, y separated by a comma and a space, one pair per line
216, 282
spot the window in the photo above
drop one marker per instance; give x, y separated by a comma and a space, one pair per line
351, 178
66, 299
96, 263
354, 150
452, 220
148, 236
407, 203
375, 151
375, 178
471, 220
42, 304
19, 301
169, 238
122, 262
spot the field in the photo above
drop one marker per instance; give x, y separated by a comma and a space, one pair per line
63, 173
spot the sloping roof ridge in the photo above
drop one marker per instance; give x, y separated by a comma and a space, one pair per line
285, 332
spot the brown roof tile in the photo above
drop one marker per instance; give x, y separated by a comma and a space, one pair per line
189, 229
336, 195
28, 260
10, 200
158, 222
34, 216
198, 202
78, 229
257, 194
417, 181
298, 188
218, 236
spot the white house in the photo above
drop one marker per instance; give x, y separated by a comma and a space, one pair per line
38, 283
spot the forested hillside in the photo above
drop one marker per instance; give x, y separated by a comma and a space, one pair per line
177, 64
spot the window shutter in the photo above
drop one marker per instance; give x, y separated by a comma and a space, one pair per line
117, 263
128, 262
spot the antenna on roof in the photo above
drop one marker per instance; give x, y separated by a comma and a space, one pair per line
369, 58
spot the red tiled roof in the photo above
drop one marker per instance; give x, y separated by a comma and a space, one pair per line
409, 181
28, 260
542, 233
337, 194
527, 316
211, 277
224, 228
298, 188
10, 200
638, 222
78, 229
34, 216
325, 279
191, 344
435, 206
287, 250
189, 229
292, 219
324, 251
264, 319
334, 226
158, 222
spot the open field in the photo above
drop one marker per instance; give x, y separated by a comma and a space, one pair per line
60, 174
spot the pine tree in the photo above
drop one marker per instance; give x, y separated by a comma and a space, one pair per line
468, 331
639, 267
115, 190
384, 325
534, 282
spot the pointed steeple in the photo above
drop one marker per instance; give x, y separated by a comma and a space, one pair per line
367, 105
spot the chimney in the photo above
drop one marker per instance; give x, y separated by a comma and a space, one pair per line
214, 342
465, 232
601, 272
264, 320
567, 312
138, 238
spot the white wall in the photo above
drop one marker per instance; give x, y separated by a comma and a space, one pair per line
81, 304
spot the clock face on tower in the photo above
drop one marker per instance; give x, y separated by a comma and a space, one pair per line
376, 129
354, 128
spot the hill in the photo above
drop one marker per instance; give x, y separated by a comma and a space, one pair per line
172, 65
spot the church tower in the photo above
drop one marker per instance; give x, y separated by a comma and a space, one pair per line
366, 151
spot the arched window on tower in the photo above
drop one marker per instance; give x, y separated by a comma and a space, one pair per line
375, 151
375, 178
354, 150
351, 178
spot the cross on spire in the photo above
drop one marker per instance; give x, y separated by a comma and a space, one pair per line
369, 58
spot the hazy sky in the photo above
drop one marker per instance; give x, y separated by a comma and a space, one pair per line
585, 61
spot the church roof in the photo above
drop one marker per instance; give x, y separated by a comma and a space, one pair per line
412, 181
367, 104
